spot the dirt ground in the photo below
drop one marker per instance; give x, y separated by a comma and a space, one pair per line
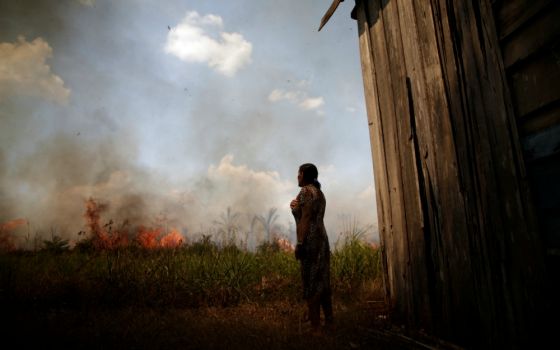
274, 325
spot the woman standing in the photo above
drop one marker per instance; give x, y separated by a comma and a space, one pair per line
312, 249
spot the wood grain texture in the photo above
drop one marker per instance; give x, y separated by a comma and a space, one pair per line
377, 149
512, 14
536, 84
540, 34
457, 224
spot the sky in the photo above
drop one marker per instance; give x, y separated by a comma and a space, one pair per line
179, 109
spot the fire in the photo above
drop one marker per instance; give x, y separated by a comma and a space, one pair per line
172, 240
12, 225
6, 238
150, 238
104, 237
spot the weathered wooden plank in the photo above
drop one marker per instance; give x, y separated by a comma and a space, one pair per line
449, 228
397, 262
429, 253
431, 118
514, 13
367, 18
448, 135
536, 84
504, 218
413, 234
391, 146
543, 119
543, 31
425, 75
376, 139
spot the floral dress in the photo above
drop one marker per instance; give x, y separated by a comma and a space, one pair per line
315, 264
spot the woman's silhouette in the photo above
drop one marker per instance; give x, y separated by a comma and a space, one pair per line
312, 248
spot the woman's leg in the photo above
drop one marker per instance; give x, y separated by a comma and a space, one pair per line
326, 304
314, 307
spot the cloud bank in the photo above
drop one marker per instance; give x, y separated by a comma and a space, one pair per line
24, 71
195, 40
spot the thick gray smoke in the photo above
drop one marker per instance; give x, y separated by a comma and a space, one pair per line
88, 111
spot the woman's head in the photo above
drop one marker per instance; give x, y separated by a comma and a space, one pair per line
308, 174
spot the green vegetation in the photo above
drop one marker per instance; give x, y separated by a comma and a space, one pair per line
200, 274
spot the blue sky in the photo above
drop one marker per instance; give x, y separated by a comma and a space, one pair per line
179, 107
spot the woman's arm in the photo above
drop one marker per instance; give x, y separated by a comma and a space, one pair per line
304, 208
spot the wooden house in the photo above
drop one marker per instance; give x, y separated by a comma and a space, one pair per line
463, 106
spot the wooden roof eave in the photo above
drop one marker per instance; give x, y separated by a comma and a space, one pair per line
331, 10
329, 13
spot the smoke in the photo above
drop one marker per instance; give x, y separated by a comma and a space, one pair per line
243, 189
50, 184
92, 106
23, 70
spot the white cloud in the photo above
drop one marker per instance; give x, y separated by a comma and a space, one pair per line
298, 97
195, 40
351, 109
312, 103
24, 71
208, 19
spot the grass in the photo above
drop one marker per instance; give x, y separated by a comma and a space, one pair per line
201, 274
200, 296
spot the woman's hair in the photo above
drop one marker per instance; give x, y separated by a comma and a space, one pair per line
310, 174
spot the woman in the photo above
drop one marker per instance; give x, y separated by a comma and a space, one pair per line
312, 249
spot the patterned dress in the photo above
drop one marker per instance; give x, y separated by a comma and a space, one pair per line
315, 264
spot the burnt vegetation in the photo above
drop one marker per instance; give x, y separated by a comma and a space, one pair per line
115, 271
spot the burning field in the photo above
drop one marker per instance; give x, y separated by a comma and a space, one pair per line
130, 286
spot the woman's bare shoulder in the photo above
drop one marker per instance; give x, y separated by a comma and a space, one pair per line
306, 192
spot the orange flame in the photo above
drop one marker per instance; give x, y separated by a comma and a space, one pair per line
103, 238
6, 238
148, 238
12, 224
172, 240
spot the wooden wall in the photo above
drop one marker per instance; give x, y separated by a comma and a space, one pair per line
462, 257
529, 36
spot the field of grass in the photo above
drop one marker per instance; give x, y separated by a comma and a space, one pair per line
133, 295
200, 274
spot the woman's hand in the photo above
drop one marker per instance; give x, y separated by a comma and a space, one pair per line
293, 204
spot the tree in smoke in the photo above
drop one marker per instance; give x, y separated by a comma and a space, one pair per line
268, 223
227, 225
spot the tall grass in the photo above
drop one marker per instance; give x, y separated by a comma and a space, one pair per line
190, 276
356, 263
